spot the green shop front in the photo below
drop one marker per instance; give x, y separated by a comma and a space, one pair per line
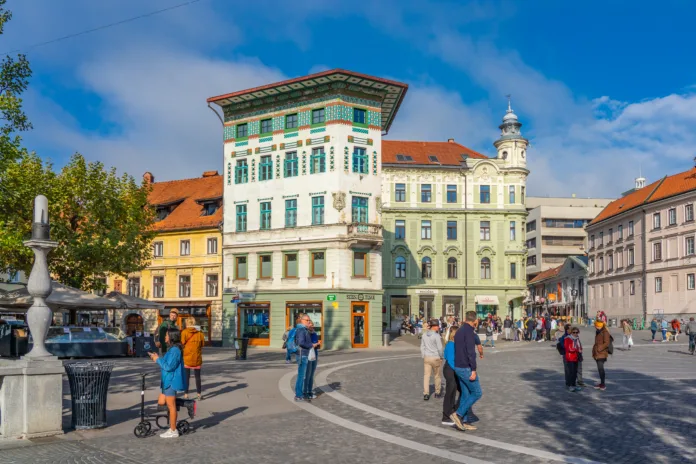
342, 319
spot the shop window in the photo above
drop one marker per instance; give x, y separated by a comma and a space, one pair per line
400, 268
291, 164
184, 286
290, 265
265, 267
486, 268
158, 287
158, 249
359, 264
452, 268
317, 162
426, 193
211, 285
185, 247
427, 268
134, 286
212, 246
400, 192
485, 194
400, 229
317, 210
451, 194
360, 165
241, 172
291, 121
254, 321
241, 218
359, 212
318, 264
240, 267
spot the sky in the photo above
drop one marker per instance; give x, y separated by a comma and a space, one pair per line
605, 90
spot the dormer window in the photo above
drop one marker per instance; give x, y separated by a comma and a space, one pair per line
210, 208
405, 158
162, 212
433, 159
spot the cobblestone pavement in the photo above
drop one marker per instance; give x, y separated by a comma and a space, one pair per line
374, 412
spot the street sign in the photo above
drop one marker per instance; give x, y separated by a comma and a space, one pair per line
230, 290
247, 296
330, 297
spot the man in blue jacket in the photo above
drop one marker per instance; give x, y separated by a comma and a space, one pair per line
303, 339
465, 368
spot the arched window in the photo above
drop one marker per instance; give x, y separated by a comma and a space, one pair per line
452, 268
427, 268
400, 269
485, 268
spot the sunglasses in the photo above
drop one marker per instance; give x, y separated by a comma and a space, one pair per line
576, 333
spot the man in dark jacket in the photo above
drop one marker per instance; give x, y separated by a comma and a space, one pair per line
163, 328
507, 325
465, 368
531, 326
304, 343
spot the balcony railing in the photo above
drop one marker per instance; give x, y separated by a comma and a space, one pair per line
364, 230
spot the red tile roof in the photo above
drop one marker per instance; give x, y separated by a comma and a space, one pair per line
188, 214
666, 187
547, 274
448, 153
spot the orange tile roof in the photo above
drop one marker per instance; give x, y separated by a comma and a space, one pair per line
547, 274
666, 187
188, 213
448, 153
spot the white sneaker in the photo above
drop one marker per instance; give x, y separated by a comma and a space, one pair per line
170, 434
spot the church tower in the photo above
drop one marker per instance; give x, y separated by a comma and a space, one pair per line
511, 146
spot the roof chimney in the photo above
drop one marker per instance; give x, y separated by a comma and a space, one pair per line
450, 140
149, 178
210, 174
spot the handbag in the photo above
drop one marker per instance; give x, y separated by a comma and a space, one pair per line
312, 355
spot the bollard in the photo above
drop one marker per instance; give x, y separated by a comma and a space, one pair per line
385, 339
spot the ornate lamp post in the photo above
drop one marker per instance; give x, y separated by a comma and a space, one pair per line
39, 315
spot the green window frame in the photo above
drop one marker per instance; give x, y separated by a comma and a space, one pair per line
291, 213
317, 210
359, 117
265, 216
266, 126
319, 116
242, 131
291, 164
241, 172
360, 209
291, 121
241, 219
317, 161
240, 268
266, 168
360, 164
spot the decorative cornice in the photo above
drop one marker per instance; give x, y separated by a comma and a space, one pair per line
485, 249
425, 248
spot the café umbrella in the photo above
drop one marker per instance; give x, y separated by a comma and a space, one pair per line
132, 302
62, 297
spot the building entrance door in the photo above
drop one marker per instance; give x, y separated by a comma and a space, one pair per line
359, 314
425, 308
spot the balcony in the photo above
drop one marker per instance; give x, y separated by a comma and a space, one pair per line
368, 235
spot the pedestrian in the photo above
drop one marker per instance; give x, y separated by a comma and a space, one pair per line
507, 326
653, 329
171, 378
547, 327
600, 352
433, 353
676, 328
304, 344
311, 363
164, 327
627, 335
291, 348
465, 368
490, 334
572, 347
690, 330
453, 391
663, 327
539, 337
192, 339
531, 329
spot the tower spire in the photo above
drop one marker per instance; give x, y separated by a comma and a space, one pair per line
509, 110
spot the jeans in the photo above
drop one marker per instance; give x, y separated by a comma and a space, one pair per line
664, 334
534, 334
302, 364
309, 377
471, 391
451, 402
653, 333
288, 355
692, 342
571, 373
485, 343
600, 368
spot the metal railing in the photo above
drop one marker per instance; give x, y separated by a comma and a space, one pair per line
361, 229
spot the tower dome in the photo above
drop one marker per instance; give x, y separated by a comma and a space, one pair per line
510, 128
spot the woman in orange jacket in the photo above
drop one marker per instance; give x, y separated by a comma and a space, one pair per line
192, 340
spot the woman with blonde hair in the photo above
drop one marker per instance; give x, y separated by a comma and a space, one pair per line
451, 402
192, 339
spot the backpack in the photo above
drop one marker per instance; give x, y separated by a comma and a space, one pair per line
291, 344
560, 346
610, 349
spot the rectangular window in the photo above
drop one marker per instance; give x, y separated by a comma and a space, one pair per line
241, 218
656, 221
359, 116
689, 213
291, 213
658, 284
318, 264
601, 239
610, 236
134, 286
184, 286
610, 262
531, 226
632, 287
512, 194
630, 228
485, 194
451, 194
359, 264
426, 230
400, 268
242, 131
592, 268
240, 267
211, 285
690, 281
241, 172
317, 162
522, 195
400, 229
513, 231
360, 161
212, 246
485, 230
359, 213
265, 220
426, 193
513, 271
592, 243
266, 168
318, 116
631, 257
158, 249
291, 121
672, 216
266, 126
265, 267
185, 247
400, 192
601, 264
657, 251
451, 230
620, 232
317, 210
689, 246
290, 265
531, 243
291, 164
158, 287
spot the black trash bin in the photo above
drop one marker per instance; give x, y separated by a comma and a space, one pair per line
241, 345
89, 384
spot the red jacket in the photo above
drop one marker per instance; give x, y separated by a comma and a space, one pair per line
571, 352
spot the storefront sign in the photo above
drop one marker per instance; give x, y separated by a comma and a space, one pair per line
254, 306
427, 291
330, 297
231, 290
303, 306
359, 297
487, 300
247, 296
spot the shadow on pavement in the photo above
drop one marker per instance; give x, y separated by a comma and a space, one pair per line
216, 417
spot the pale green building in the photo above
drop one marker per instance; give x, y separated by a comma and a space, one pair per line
454, 223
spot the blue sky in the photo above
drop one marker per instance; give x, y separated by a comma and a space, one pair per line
604, 89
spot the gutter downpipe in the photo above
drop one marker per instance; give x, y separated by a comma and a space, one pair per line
466, 247
644, 272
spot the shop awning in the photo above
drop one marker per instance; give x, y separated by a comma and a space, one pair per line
132, 302
62, 297
487, 300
